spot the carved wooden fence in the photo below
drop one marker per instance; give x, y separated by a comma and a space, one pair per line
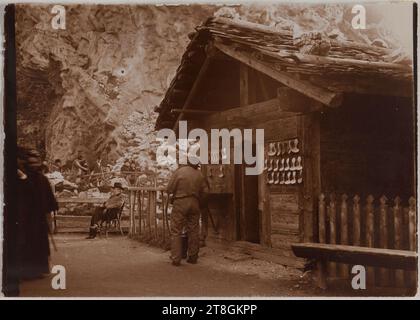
149, 218
380, 223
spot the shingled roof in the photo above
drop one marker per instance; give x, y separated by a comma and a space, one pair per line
346, 67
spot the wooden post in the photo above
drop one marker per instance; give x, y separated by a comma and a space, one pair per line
370, 236
243, 85
149, 219
383, 238
321, 264
412, 223
162, 195
139, 210
134, 212
131, 201
356, 221
397, 214
332, 217
309, 131
245, 97
152, 195
344, 237
321, 219
412, 236
322, 274
167, 217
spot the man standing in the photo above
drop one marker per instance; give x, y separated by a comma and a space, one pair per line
79, 168
187, 186
107, 210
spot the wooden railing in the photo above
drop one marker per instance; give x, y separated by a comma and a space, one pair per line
380, 223
149, 220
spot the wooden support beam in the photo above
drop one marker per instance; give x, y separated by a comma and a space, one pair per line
193, 90
288, 103
263, 87
246, 112
243, 85
320, 94
193, 111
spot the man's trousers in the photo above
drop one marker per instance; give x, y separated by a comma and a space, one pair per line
185, 214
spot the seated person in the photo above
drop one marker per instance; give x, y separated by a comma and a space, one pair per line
101, 214
57, 166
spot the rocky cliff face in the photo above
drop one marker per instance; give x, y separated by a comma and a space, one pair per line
92, 87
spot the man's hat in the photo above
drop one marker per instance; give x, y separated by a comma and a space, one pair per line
193, 160
118, 185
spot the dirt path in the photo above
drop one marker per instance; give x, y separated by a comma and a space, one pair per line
126, 268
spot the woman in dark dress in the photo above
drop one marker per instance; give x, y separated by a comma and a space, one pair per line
35, 203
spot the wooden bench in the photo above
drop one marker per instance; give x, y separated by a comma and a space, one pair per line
375, 257
74, 200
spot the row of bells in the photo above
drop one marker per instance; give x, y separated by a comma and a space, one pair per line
288, 164
282, 148
291, 177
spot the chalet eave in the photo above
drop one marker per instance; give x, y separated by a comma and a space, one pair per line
322, 79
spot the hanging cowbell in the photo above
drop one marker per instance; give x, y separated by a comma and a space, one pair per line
300, 176
287, 166
293, 180
276, 166
277, 178
299, 163
295, 144
281, 165
270, 178
282, 178
288, 178
272, 149
270, 165
278, 148
293, 167
221, 173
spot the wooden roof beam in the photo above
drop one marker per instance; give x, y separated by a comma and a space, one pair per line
193, 91
325, 96
292, 101
193, 111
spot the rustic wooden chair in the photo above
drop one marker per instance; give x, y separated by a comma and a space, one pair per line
113, 219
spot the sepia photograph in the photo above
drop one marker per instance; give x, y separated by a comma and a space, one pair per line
198, 150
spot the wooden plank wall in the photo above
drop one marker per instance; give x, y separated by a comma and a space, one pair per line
367, 147
281, 208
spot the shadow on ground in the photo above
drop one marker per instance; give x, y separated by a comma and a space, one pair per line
121, 267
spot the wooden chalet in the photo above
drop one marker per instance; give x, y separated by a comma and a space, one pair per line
338, 124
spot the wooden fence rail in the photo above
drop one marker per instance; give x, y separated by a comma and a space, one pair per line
149, 219
375, 223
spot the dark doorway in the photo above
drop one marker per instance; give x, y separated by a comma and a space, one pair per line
247, 215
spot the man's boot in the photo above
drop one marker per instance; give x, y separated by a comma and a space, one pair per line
176, 250
192, 259
92, 232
